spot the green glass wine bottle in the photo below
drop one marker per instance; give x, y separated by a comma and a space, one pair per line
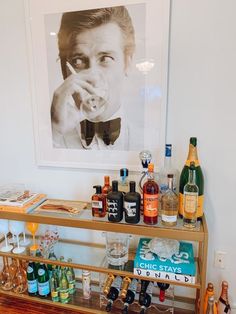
192, 157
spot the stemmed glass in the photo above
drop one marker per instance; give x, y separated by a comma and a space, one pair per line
24, 242
4, 228
32, 227
16, 228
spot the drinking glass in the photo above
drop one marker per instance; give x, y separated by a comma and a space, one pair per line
32, 227
117, 248
4, 228
24, 242
16, 228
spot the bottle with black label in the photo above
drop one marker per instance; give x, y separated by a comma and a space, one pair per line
113, 293
130, 295
132, 203
32, 280
115, 203
98, 203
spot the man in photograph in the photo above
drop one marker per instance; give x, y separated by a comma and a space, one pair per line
96, 48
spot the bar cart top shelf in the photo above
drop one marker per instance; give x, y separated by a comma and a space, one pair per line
85, 220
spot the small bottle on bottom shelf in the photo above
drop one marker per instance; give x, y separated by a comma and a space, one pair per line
150, 198
64, 286
169, 205
70, 274
55, 284
191, 193
209, 293
163, 287
86, 284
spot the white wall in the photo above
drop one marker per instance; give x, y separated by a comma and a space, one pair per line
202, 97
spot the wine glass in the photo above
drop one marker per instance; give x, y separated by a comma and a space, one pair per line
24, 242
4, 228
16, 228
32, 227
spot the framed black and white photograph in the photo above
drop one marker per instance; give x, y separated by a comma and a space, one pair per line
99, 81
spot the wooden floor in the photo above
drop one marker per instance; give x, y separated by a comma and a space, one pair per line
9, 305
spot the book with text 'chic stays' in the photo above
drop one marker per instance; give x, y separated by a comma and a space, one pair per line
180, 267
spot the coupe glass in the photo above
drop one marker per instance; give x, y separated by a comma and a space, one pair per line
16, 228
4, 228
32, 227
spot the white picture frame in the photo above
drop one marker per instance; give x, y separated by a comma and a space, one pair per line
152, 66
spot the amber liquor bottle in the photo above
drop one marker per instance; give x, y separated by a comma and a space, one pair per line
98, 203
150, 198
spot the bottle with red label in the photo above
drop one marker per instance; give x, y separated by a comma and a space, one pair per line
150, 198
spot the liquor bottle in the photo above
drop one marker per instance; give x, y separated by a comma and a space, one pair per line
210, 306
70, 274
150, 198
32, 280
124, 287
209, 292
113, 293
106, 187
145, 157
191, 193
55, 284
43, 281
145, 295
61, 259
98, 203
108, 283
123, 184
163, 287
167, 169
130, 295
115, 203
223, 305
86, 284
192, 156
132, 203
64, 286
169, 204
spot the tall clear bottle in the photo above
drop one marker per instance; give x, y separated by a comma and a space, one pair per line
192, 156
223, 305
167, 169
169, 204
191, 193
150, 198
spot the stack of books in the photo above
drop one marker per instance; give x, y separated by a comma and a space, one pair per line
20, 201
180, 267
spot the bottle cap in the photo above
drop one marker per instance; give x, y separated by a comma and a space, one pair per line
193, 141
132, 185
124, 172
168, 150
85, 272
192, 165
98, 189
170, 175
151, 167
210, 286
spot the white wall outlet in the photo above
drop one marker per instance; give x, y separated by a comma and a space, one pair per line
220, 259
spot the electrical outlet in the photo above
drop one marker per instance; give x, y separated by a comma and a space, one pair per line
220, 258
